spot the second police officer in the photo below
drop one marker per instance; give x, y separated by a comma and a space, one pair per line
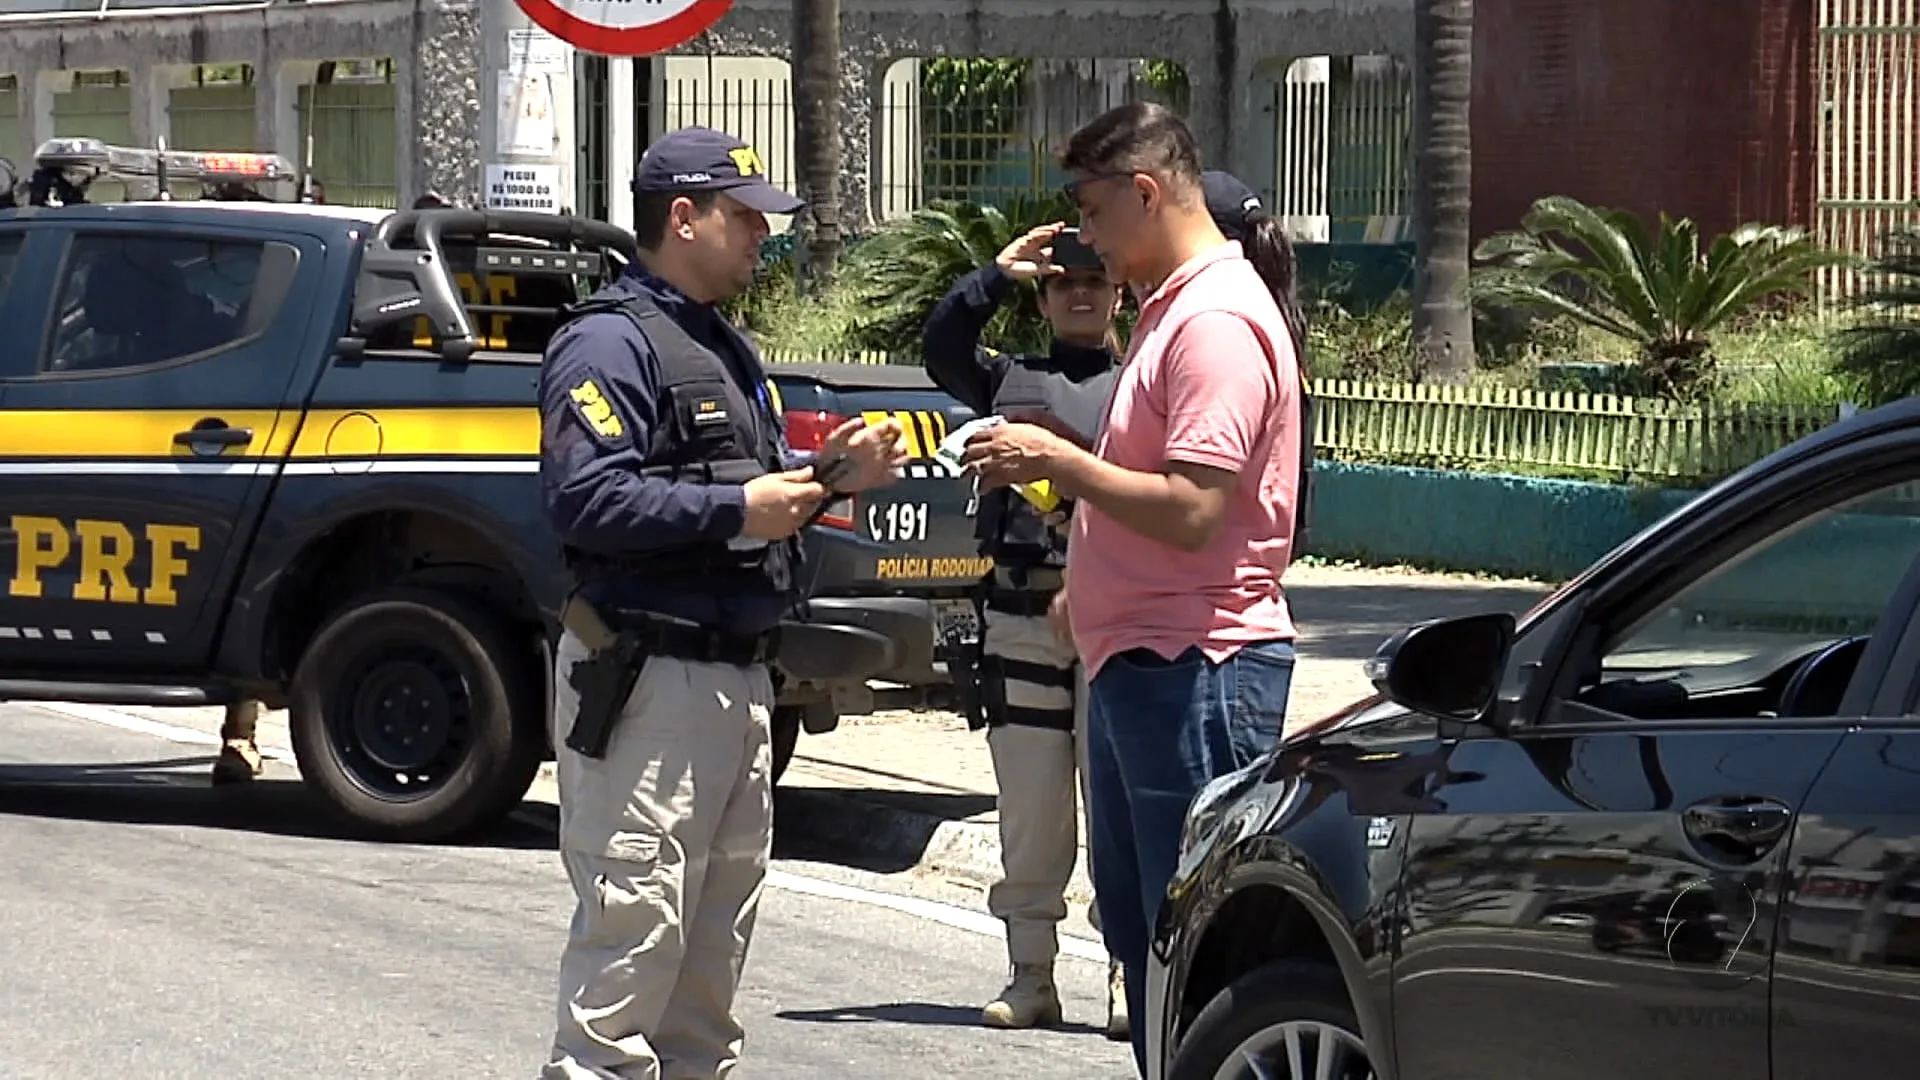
668, 480
1031, 693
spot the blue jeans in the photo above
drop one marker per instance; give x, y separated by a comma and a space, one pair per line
1157, 731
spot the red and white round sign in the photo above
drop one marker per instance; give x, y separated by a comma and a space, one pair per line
625, 27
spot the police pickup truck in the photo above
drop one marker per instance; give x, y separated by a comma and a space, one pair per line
284, 452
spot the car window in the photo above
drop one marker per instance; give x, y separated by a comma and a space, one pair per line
1730, 640
9, 255
129, 301
536, 299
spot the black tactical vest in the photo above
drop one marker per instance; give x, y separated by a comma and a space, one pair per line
1010, 529
710, 432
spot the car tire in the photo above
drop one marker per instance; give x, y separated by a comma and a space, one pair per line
415, 714
786, 737
1279, 993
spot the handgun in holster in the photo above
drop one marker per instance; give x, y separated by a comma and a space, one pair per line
964, 664
603, 680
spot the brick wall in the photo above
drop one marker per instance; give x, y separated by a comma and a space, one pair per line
1701, 108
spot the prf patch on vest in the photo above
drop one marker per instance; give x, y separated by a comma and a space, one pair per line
708, 412
596, 410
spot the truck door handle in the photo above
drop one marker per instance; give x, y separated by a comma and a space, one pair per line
1736, 828
213, 433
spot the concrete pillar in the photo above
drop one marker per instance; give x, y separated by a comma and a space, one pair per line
283, 116
438, 107
863, 75
622, 140
150, 89
47, 85
545, 74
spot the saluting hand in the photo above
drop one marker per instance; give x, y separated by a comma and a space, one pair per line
1031, 255
779, 503
878, 452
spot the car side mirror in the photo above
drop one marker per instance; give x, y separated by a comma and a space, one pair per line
1449, 669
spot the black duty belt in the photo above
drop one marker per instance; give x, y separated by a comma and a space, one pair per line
1043, 579
658, 636
1027, 604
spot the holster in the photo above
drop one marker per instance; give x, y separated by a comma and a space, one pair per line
603, 680
963, 668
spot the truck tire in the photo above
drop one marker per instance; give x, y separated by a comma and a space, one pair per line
786, 737
416, 715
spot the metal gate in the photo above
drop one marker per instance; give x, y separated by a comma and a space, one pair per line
1867, 173
354, 139
11, 139
99, 106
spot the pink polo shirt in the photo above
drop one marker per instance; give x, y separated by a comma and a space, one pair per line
1210, 379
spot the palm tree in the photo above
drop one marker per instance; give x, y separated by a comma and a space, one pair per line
1657, 290
1884, 353
902, 271
816, 132
1442, 186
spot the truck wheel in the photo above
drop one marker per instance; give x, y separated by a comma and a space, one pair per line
416, 715
786, 737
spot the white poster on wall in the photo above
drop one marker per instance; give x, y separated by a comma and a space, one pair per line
536, 52
526, 121
534, 188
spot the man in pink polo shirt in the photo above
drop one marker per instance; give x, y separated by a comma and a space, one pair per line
1186, 507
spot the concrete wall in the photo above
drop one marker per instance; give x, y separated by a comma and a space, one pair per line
1224, 45
435, 43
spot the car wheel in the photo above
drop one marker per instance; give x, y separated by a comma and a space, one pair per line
786, 737
1288, 1019
415, 715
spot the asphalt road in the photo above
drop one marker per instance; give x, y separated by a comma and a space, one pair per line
153, 926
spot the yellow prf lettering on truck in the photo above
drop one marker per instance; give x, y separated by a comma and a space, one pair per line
106, 550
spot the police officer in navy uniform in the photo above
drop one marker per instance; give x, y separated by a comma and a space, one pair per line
1031, 695
667, 477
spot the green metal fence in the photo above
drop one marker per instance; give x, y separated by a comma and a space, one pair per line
103, 112
987, 129
12, 140
211, 116
1620, 437
354, 136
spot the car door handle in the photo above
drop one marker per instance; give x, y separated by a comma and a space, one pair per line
1736, 828
213, 433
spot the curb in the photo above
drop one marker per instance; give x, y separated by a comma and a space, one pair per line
890, 835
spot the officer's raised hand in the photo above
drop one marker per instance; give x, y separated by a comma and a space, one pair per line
877, 452
1031, 255
779, 503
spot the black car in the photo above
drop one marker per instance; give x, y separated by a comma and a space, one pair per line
1665, 825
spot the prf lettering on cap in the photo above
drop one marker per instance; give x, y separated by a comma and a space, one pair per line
747, 161
106, 550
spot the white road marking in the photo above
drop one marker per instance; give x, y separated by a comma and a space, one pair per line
931, 910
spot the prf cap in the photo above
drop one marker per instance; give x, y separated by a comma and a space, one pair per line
702, 159
1234, 206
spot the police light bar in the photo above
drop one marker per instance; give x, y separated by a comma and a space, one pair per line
210, 166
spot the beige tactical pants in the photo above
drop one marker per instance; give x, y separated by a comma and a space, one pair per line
666, 839
1036, 769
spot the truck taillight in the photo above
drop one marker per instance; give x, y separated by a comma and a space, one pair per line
808, 430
